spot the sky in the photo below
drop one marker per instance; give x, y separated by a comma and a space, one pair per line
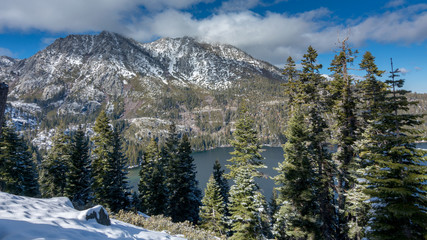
270, 30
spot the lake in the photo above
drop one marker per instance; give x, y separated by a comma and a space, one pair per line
205, 160
204, 166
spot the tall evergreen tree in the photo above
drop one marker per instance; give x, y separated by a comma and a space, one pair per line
152, 187
309, 106
247, 205
109, 166
247, 208
345, 131
219, 177
247, 150
372, 96
372, 90
117, 188
184, 196
292, 85
18, 174
314, 86
79, 179
397, 176
101, 158
297, 217
273, 207
213, 209
55, 166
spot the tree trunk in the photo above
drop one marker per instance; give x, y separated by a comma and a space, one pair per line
3, 97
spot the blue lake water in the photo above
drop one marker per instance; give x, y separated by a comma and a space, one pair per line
205, 160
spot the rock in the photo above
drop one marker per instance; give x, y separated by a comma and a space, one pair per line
98, 213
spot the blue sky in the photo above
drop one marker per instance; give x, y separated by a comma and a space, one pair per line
270, 30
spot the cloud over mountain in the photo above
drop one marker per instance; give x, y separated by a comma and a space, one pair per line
270, 36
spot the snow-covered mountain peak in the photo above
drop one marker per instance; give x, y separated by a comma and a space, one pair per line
80, 72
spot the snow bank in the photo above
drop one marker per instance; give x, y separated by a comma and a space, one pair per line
55, 218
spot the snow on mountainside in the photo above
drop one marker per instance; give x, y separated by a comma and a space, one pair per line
171, 79
55, 218
87, 69
208, 65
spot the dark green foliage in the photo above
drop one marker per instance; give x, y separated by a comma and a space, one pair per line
305, 177
108, 166
372, 90
184, 195
292, 86
396, 177
55, 166
153, 193
18, 174
273, 206
213, 209
79, 181
248, 214
116, 178
101, 157
220, 179
297, 217
345, 130
247, 150
247, 206
372, 94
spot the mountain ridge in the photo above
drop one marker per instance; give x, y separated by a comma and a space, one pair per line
197, 85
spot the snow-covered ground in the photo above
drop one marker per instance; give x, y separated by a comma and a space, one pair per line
55, 218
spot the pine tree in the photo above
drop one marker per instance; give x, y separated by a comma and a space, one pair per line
397, 176
292, 86
247, 150
247, 206
315, 101
79, 181
18, 174
345, 131
297, 217
55, 166
117, 189
273, 207
372, 92
101, 158
213, 209
309, 106
152, 187
219, 177
184, 195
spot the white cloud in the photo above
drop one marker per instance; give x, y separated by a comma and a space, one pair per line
271, 37
5, 52
408, 25
64, 15
157, 5
395, 3
239, 5
48, 41
403, 71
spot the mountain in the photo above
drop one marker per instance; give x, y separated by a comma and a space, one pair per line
87, 69
198, 85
